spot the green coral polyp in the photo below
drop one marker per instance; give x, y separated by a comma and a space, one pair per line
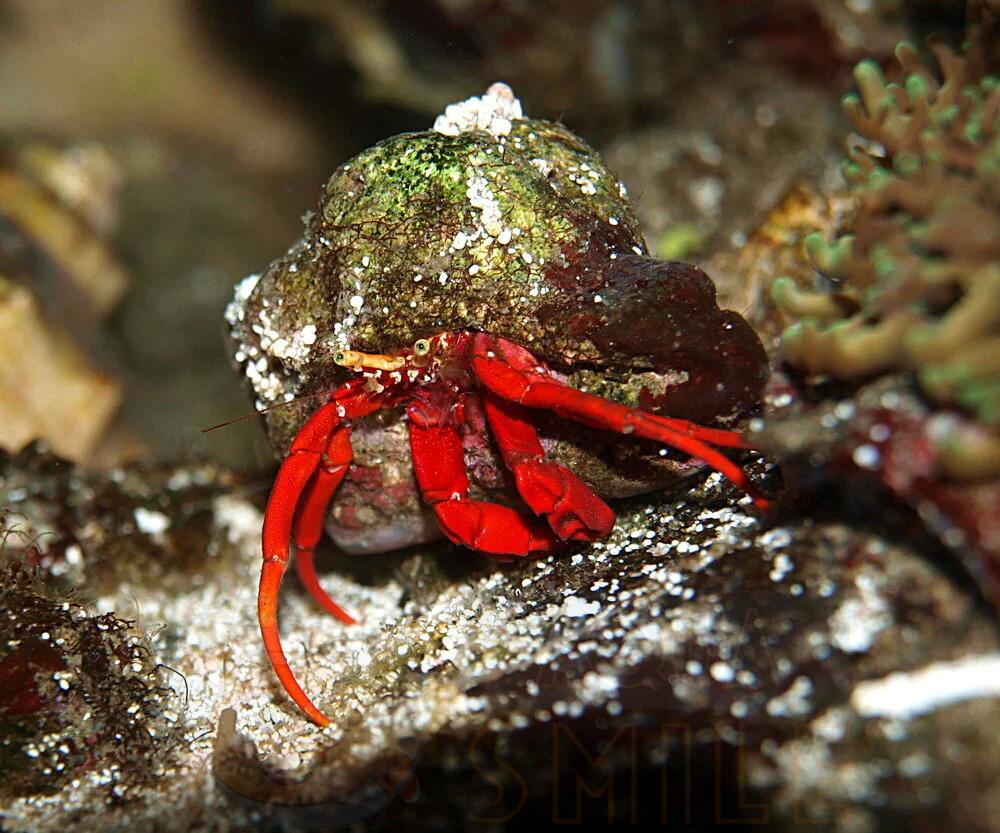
920, 271
916, 87
829, 258
906, 163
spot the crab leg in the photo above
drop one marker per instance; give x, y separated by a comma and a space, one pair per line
713, 436
493, 361
309, 522
298, 468
573, 511
439, 464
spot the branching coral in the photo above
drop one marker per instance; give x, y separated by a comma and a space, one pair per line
916, 286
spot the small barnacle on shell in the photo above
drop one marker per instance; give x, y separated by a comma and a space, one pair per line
493, 112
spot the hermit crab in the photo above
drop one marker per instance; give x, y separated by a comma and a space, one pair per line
493, 352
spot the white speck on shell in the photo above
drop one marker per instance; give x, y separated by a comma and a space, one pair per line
543, 166
574, 606
481, 196
150, 521
856, 623
722, 672
794, 701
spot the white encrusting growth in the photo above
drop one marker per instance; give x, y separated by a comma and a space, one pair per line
236, 309
908, 694
856, 623
481, 197
295, 348
274, 345
493, 112
255, 358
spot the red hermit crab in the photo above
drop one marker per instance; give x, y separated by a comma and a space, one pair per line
463, 298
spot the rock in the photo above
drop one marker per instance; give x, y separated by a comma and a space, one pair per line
880, 448
844, 672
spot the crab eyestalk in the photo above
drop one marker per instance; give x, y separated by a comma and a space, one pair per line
370, 361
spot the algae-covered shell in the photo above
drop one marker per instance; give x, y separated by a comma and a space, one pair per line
500, 223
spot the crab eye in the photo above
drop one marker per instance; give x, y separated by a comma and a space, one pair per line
421, 347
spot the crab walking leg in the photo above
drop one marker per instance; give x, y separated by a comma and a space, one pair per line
439, 464
517, 357
297, 469
712, 436
534, 390
572, 509
309, 521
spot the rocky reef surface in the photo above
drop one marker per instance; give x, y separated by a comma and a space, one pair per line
803, 663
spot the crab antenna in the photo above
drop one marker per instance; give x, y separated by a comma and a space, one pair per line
273, 407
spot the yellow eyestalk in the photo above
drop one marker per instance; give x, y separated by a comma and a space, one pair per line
368, 361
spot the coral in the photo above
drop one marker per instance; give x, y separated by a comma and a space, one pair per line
916, 285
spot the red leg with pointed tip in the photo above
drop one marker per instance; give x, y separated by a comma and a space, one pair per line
298, 468
572, 509
439, 464
512, 373
309, 522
